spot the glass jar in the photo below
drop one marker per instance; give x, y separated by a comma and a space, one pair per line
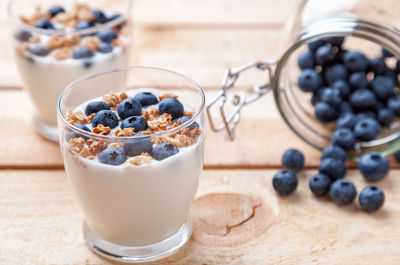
367, 26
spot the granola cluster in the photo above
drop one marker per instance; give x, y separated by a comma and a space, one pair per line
156, 123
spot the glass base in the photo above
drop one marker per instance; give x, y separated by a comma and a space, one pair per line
146, 253
50, 132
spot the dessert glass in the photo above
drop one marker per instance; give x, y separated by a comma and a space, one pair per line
133, 213
45, 76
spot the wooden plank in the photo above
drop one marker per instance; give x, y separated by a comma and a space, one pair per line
259, 141
40, 223
202, 54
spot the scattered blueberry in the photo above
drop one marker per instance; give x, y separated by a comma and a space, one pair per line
309, 80
319, 184
104, 47
343, 87
386, 117
345, 138
363, 99
82, 52
334, 152
324, 55
83, 24
333, 168
377, 66
112, 156
325, 112
306, 60
314, 45
383, 86
373, 166
171, 106
331, 96
38, 49
23, 35
107, 35
163, 151
293, 160
44, 23
105, 117
355, 61
99, 16
335, 72
285, 182
346, 120
136, 122
191, 126
371, 198
96, 106
366, 129
55, 10
342, 192
138, 146
358, 80
146, 98
129, 107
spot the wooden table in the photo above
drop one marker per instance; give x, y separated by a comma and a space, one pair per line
40, 223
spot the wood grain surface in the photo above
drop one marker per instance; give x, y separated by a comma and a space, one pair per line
40, 223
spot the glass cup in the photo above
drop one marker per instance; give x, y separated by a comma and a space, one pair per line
46, 58
136, 211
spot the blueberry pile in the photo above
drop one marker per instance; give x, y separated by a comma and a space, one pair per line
129, 111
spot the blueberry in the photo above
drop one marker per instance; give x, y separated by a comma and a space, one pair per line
171, 106
333, 168
138, 146
105, 117
342, 192
366, 129
82, 127
136, 122
104, 47
346, 120
397, 69
309, 80
23, 35
334, 152
315, 98
386, 117
335, 41
192, 126
319, 184
107, 35
363, 99
324, 55
355, 61
44, 23
55, 10
96, 106
82, 52
345, 138
39, 50
285, 182
113, 17
83, 24
306, 60
383, 86
373, 166
335, 72
163, 151
365, 114
314, 45
345, 107
325, 112
99, 16
393, 103
397, 156
293, 160
386, 53
377, 66
343, 87
112, 156
358, 80
129, 107
73, 134
146, 98
371, 198
331, 96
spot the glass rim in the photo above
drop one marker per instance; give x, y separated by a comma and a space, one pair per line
135, 136
15, 20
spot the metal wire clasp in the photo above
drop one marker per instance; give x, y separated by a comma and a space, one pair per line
240, 99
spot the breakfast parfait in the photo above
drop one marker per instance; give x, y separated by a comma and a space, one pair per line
55, 45
133, 157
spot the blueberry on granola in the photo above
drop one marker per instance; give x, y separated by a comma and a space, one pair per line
138, 146
107, 35
129, 107
163, 151
82, 52
191, 126
96, 106
99, 16
146, 98
105, 117
171, 106
55, 10
83, 24
136, 122
23, 35
112, 156
38, 49
44, 23
104, 47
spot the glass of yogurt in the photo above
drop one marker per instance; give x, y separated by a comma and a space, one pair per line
57, 43
132, 141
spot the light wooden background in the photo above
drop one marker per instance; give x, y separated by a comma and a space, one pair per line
40, 223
